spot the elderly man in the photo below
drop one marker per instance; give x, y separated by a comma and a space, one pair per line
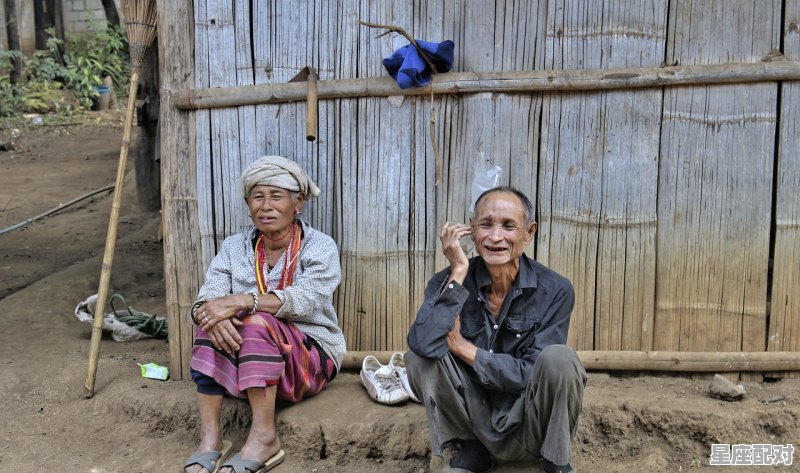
487, 348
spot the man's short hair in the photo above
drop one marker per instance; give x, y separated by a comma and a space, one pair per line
527, 205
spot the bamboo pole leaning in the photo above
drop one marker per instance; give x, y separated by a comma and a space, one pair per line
140, 22
676, 361
497, 81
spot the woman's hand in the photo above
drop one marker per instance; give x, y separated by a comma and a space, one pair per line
451, 247
222, 308
218, 318
224, 335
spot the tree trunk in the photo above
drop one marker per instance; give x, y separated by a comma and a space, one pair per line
112, 16
58, 18
43, 18
147, 147
13, 40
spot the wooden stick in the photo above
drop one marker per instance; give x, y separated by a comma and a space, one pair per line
312, 105
397, 29
680, 361
499, 81
140, 22
111, 241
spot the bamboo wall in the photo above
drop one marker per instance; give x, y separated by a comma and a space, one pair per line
664, 206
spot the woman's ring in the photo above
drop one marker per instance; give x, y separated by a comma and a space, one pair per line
205, 317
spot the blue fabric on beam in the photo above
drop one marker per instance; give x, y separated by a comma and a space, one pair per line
409, 69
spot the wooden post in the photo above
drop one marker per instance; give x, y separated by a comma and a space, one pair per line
179, 204
312, 105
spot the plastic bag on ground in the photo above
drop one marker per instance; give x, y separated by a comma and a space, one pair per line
120, 331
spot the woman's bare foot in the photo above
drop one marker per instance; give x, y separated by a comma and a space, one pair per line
209, 441
260, 446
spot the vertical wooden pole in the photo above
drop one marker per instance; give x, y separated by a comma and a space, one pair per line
312, 105
179, 203
111, 241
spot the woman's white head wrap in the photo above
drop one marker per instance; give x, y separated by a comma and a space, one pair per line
278, 171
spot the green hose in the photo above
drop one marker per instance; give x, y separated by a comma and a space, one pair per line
141, 321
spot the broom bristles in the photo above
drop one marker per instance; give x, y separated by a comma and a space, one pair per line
140, 22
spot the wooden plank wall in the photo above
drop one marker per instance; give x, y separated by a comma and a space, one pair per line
599, 171
480, 130
715, 183
784, 327
656, 203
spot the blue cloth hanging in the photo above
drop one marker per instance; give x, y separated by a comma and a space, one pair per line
409, 69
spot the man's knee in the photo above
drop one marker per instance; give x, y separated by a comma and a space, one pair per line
559, 361
412, 361
416, 367
427, 375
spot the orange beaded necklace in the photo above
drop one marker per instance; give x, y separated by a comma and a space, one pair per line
289, 261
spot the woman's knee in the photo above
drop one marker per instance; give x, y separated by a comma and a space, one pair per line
260, 329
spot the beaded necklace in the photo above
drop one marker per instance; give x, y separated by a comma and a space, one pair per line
289, 261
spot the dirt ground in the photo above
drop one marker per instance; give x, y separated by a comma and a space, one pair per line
630, 423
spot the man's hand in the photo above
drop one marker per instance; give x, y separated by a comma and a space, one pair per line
451, 247
460, 346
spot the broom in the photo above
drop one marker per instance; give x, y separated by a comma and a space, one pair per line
140, 22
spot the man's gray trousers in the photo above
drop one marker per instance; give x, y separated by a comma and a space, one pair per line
538, 422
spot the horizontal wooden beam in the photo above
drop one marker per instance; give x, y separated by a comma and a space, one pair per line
498, 81
680, 361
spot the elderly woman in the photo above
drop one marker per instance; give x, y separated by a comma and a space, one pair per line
266, 326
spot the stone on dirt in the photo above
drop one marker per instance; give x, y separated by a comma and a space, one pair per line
725, 389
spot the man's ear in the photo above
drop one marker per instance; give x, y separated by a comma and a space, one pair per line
530, 232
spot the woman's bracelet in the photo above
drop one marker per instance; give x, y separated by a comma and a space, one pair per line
193, 312
255, 303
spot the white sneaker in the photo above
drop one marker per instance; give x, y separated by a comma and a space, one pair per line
381, 382
398, 364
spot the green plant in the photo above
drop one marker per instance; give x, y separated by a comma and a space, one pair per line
7, 58
9, 93
56, 81
45, 64
102, 51
9, 97
42, 97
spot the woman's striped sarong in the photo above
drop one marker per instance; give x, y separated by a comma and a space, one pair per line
273, 352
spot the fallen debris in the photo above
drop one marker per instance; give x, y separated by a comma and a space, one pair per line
773, 399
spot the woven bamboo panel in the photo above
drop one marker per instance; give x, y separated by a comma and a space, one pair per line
784, 327
599, 172
715, 183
